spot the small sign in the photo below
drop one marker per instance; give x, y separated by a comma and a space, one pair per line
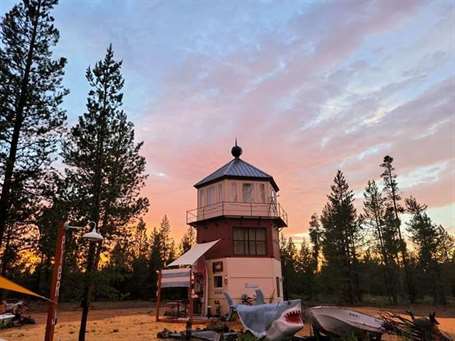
251, 286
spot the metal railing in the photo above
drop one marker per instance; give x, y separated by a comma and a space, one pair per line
243, 209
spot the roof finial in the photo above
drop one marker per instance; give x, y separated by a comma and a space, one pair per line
236, 150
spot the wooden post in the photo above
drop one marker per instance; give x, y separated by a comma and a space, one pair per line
189, 323
190, 296
158, 297
55, 284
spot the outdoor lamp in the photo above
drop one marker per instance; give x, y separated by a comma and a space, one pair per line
93, 235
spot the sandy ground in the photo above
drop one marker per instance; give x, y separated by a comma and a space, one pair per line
137, 323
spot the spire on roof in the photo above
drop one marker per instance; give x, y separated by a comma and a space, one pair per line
236, 151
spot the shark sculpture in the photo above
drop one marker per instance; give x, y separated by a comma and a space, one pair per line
272, 322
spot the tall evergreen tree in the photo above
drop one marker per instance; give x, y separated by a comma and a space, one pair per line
156, 261
306, 273
139, 285
393, 201
141, 240
31, 117
374, 211
188, 240
167, 243
289, 256
432, 243
105, 170
341, 232
315, 237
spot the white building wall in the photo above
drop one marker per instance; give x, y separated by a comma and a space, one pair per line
243, 275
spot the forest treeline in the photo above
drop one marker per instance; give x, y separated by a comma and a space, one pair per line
93, 170
371, 255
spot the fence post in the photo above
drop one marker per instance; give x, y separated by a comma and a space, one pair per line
158, 297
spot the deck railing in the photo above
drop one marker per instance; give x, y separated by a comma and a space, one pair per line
242, 209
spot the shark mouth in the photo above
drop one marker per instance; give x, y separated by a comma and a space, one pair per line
293, 317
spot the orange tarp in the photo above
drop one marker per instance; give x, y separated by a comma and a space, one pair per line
10, 285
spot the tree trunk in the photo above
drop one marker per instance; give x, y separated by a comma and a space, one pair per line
92, 255
404, 255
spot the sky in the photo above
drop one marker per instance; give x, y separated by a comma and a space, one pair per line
307, 87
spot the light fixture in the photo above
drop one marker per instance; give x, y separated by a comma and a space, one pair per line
93, 235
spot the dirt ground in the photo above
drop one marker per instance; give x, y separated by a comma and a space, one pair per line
136, 322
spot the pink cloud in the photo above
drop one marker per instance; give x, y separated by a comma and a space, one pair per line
266, 96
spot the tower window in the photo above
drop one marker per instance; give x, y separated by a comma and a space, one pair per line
249, 242
262, 191
220, 193
210, 195
247, 191
202, 198
234, 191
218, 281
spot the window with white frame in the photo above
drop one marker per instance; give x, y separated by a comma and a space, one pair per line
247, 192
220, 192
234, 192
210, 195
202, 197
262, 192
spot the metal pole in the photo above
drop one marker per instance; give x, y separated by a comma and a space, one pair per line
55, 284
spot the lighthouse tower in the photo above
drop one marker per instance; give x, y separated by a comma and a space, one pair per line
237, 205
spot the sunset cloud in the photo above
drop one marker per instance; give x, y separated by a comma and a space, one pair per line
308, 88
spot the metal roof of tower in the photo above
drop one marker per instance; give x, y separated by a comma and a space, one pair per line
237, 169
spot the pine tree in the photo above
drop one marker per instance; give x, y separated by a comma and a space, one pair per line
393, 201
315, 237
167, 244
105, 172
374, 212
341, 233
31, 117
432, 243
188, 240
306, 271
48, 221
141, 240
139, 285
156, 261
288, 252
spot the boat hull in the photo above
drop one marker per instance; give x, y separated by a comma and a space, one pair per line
340, 321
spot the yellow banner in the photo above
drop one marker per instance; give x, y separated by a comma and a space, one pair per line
9, 285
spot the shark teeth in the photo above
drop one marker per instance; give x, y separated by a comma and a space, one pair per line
294, 317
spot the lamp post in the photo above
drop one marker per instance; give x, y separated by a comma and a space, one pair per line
92, 235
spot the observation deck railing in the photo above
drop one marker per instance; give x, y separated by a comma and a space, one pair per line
272, 210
